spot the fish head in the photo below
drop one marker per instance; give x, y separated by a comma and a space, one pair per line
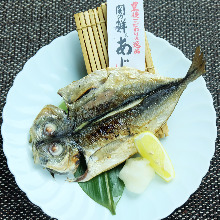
60, 156
52, 122
52, 144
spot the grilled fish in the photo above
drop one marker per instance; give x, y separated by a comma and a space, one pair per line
106, 109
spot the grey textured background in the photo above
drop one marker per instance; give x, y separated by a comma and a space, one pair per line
26, 26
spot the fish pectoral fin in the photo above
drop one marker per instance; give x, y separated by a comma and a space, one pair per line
77, 89
108, 157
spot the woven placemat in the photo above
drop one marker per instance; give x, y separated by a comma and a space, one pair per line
27, 25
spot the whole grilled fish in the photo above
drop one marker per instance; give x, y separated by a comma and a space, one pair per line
106, 109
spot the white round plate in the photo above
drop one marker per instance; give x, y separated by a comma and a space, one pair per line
190, 144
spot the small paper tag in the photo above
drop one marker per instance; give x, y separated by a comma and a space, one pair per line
126, 37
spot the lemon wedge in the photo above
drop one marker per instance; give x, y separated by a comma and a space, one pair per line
149, 147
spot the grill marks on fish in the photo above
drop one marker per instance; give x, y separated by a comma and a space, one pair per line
130, 109
151, 98
123, 108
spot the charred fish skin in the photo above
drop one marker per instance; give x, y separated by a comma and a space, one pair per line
135, 102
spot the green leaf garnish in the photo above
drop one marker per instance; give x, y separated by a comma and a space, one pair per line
63, 106
105, 189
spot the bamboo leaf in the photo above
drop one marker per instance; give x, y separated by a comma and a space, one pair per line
63, 106
105, 189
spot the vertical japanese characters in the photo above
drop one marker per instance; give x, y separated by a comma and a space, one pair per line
121, 26
135, 16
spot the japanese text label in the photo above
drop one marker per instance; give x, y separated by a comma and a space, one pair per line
126, 37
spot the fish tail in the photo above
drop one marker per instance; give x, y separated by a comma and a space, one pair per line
197, 67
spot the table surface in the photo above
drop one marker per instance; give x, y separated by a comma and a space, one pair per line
26, 26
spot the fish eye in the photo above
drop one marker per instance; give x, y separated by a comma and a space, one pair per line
49, 129
55, 149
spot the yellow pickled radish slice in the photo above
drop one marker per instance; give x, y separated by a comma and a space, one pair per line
149, 147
